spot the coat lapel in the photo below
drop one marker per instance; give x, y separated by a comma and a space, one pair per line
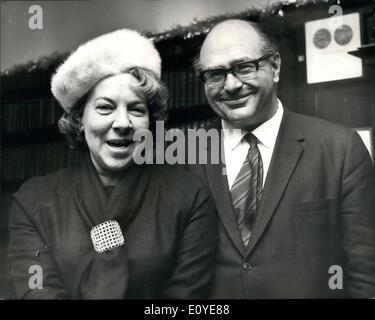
89, 193
218, 185
287, 152
124, 201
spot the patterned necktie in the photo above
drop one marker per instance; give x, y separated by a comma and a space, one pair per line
246, 190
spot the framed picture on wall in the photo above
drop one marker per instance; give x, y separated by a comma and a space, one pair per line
366, 134
327, 44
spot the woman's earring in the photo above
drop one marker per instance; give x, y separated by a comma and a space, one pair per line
82, 129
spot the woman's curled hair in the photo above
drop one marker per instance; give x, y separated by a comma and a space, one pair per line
155, 91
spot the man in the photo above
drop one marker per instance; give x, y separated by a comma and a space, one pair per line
297, 200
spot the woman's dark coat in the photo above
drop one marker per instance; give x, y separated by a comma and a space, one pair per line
165, 215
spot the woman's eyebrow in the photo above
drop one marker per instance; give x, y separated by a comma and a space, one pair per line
105, 98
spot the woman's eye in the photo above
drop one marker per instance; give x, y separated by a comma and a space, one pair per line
139, 109
104, 108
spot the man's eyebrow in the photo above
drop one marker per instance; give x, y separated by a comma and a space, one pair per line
241, 60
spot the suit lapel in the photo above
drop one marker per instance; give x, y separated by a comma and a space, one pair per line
287, 152
218, 185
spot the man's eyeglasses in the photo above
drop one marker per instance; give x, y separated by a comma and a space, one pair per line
243, 70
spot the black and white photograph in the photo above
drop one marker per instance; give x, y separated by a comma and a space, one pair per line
203, 151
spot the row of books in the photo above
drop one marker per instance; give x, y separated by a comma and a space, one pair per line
192, 125
184, 89
27, 115
22, 162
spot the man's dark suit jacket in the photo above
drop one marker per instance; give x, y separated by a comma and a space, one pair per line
317, 211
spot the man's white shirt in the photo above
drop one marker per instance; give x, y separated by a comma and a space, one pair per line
236, 148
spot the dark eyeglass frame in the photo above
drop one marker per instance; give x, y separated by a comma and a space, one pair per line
232, 69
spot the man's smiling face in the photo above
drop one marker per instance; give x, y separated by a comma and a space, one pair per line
243, 104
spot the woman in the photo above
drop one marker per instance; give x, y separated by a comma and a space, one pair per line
111, 229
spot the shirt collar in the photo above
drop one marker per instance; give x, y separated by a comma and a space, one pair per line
266, 132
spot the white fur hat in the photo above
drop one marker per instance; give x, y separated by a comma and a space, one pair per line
107, 55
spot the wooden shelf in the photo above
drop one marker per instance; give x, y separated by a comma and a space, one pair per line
31, 136
366, 52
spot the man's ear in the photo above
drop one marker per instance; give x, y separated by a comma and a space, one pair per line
276, 66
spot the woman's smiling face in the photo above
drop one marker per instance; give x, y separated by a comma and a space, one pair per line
114, 110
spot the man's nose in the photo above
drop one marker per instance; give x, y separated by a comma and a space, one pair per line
122, 120
232, 83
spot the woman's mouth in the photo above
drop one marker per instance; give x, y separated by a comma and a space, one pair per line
119, 144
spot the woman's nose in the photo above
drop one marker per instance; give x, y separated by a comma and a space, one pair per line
122, 120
